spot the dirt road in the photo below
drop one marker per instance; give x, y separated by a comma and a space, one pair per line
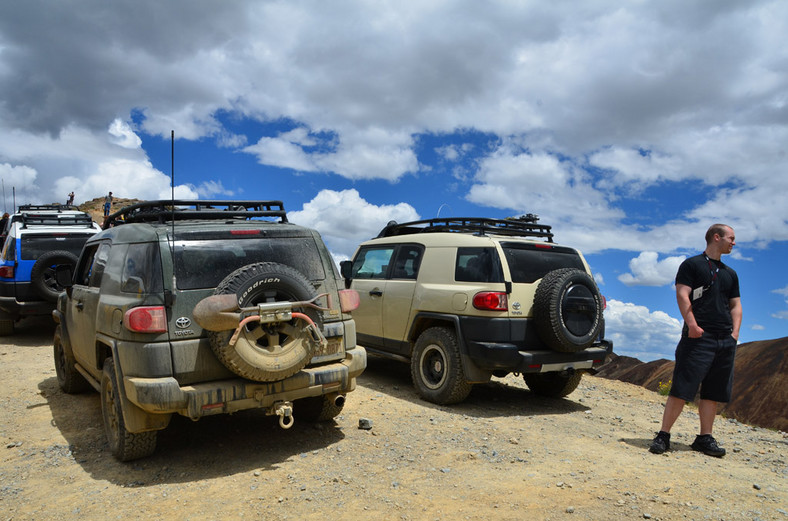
503, 454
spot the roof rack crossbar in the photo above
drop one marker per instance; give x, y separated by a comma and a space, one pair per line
523, 227
167, 210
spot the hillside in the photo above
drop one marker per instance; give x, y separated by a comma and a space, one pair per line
95, 207
760, 383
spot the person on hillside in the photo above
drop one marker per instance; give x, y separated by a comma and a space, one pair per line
70, 199
707, 292
107, 204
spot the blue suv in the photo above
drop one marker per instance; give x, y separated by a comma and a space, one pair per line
35, 240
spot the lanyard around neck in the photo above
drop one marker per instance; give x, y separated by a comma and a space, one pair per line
713, 270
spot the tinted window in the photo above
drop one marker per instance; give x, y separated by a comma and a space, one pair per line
406, 262
477, 265
204, 263
142, 269
33, 246
99, 263
529, 263
372, 263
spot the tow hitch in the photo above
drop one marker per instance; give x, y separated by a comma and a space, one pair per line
285, 412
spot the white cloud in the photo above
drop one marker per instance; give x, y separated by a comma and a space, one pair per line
648, 270
123, 135
638, 332
344, 219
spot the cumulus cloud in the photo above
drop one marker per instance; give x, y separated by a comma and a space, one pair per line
344, 219
638, 332
648, 270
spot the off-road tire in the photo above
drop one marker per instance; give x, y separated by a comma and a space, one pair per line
316, 409
552, 385
6, 327
124, 445
568, 310
69, 379
42, 275
436, 367
268, 352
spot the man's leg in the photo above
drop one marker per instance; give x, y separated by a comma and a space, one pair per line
673, 408
707, 410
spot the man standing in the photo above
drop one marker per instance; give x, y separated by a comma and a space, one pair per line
707, 292
107, 204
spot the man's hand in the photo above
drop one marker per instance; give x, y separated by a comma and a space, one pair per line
694, 331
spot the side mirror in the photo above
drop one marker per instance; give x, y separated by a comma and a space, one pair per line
64, 275
346, 269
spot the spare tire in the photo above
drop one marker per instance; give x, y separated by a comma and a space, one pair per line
266, 352
42, 276
568, 310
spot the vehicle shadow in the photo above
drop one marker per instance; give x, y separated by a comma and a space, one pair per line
186, 451
32, 332
494, 399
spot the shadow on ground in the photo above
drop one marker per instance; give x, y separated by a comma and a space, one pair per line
492, 399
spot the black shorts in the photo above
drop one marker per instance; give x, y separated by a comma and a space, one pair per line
705, 363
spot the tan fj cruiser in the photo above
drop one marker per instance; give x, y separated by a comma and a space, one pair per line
466, 299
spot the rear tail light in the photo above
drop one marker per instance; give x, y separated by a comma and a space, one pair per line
348, 300
146, 319
7, 272
604, 302
491, 301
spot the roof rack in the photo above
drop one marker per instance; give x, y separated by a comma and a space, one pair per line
167, 210
524, 226
53, 219
46, 207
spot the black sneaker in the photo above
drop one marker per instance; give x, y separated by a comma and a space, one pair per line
661, 443
708, 446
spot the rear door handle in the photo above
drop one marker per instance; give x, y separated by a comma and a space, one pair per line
80, 305
376, 293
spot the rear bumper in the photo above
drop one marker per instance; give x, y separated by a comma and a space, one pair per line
509, 358
165, 395
10, 306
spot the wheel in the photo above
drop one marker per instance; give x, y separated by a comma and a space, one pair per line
552, 385
266, 352
436, 367
42, 275
317, 408
6, 327
69, 379
568, 310
124, 445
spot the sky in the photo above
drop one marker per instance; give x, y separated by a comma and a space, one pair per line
628, 126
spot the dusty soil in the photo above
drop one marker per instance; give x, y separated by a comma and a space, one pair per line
503, 454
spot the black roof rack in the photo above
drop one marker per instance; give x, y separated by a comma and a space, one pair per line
45, 207
167, 210
524, 226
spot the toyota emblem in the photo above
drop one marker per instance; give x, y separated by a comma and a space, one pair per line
183, 322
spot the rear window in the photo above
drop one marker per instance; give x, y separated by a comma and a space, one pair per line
205, 263
477, 265
529, 263
33, 246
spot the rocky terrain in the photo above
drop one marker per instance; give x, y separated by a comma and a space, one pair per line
504, 454
760, 384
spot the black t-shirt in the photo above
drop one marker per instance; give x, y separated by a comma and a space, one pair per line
720, 284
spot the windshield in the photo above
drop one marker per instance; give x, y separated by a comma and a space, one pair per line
205, 263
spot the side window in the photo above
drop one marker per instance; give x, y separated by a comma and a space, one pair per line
99, 263
407, 261
372, 263
142, 269
85, 265
477, 265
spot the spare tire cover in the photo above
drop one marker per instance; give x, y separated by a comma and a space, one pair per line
568, 310
266, 352
42, 275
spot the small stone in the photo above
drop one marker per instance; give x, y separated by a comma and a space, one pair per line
756, 486
570, 510
365, 424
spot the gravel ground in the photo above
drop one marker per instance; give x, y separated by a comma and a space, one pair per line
503, 454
